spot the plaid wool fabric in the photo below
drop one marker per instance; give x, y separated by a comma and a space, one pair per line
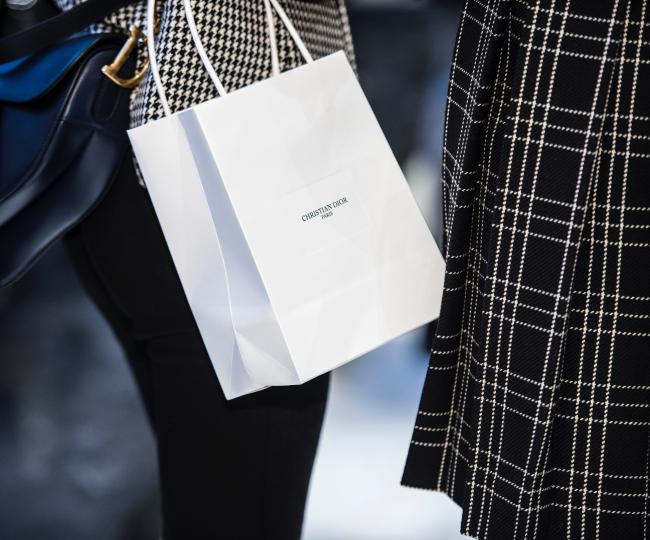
535, 413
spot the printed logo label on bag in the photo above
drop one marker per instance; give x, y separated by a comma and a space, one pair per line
325, 211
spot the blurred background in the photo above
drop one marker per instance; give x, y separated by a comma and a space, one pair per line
77, 459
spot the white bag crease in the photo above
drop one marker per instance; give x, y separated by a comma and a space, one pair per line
294, 233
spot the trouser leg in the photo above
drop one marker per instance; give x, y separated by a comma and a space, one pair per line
229, 469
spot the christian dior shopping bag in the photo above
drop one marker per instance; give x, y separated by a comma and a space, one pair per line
293, 230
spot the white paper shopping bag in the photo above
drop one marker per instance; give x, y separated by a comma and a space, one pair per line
293, 230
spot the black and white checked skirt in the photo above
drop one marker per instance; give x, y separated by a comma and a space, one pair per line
535, 413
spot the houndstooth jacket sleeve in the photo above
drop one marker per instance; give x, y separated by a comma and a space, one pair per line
236, 38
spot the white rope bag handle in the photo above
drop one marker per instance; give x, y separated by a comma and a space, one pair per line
187, 8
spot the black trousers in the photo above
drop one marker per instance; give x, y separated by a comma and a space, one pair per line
228, 470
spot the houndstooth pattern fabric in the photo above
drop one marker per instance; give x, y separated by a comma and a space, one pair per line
236, 38
535, 412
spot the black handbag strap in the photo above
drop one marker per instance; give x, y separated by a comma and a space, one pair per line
56, 28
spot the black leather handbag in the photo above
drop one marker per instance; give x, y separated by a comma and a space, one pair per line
62, 128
